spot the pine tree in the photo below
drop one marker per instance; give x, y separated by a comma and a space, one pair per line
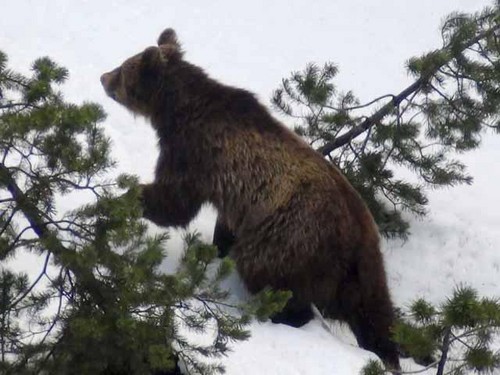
455, 338
454, 99
100, 304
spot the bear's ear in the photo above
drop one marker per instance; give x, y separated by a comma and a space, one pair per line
168, 36
152, 58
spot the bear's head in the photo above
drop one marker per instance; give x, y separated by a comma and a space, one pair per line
140, 80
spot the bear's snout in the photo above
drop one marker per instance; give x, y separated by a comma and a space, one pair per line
108, 81
105, 80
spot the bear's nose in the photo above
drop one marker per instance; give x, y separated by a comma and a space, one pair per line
105, 78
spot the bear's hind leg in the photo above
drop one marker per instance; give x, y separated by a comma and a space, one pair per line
374, 336
223, 238
370, 316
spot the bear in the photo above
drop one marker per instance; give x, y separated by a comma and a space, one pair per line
288, 217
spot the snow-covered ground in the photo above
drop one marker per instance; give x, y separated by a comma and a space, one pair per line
253, 45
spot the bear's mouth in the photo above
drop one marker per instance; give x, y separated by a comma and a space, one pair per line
112, 95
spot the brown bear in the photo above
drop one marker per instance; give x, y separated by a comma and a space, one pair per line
292, 220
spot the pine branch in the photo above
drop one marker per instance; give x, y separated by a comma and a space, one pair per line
374, 119
48, 238
396, 101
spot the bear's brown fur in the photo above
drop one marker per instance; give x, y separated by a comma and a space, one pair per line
297, 222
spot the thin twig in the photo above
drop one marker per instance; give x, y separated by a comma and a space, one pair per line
32, 286
362, 105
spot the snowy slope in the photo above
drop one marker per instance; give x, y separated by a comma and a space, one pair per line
459, 241
253, 45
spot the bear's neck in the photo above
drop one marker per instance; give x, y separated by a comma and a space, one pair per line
191, 97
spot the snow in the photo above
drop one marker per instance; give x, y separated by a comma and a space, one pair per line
254, 45
457, 242
314, 349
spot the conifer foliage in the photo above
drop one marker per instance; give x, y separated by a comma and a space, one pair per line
99, 304
455, 338
454, 99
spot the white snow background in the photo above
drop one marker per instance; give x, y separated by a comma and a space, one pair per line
254, 45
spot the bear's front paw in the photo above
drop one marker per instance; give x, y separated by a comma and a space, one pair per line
147, 200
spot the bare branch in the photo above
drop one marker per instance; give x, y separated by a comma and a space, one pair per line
444, 349
8, 221
32, 286
14, 105
361, 105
